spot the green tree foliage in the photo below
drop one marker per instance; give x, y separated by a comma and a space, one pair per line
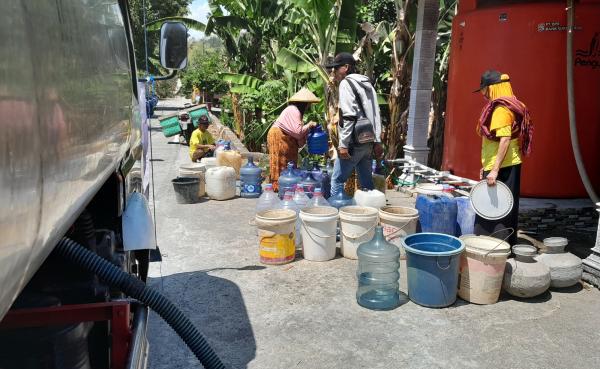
155, 9
269, 96
204, 66
375, 11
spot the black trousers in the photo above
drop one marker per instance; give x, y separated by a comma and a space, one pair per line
510, 176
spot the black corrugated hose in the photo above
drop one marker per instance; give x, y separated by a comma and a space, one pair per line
137, 289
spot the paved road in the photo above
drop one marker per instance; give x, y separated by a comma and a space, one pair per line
304, 314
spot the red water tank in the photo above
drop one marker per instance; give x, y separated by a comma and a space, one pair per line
527, 40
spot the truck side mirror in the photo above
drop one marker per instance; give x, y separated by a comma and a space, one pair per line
173, 45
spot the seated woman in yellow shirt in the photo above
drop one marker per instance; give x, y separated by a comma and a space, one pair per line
202, 143
506, 132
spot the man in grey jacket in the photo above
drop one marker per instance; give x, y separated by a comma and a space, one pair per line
352, 154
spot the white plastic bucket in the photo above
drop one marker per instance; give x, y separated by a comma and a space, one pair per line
276, 236
318, 232
220, 183
195, 170
357, 225
398, 222
482, 269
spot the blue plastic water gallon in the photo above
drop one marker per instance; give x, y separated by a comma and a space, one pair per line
250, 180
323, 178
432, 261
437, 214
288, 179
316, 170
325, 184
340, 200
317, 141
309, 183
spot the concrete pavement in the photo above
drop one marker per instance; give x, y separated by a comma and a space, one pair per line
304, 314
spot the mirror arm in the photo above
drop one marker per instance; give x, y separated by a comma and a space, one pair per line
161, 78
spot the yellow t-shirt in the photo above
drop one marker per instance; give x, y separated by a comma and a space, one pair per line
200, 138
502, 119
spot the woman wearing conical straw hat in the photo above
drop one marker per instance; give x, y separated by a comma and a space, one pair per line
288, 133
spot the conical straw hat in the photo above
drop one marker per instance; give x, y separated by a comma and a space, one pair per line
304, 95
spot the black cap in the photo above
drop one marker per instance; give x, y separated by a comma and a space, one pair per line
341, 59
203, 119
490, 77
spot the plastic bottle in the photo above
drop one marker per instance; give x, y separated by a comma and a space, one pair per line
378, 273
289, 203
317, 141
309, 183
300, 198
317, 199
229, 158
250, 178
268, 200
340, 200
329, 167
288, 179
316, 171
325, 184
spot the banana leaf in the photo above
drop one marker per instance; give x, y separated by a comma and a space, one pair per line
242, 79
294, 62
240, 89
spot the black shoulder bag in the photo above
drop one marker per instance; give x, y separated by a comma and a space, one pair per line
363, 131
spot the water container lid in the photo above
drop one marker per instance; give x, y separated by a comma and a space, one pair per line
485, 245
555, 242
524, 250
430, 188
491, 202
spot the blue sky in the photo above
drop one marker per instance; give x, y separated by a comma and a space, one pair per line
198, 11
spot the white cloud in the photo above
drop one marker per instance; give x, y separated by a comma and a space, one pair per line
199, 11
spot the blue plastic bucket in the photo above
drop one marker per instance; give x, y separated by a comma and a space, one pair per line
432, 261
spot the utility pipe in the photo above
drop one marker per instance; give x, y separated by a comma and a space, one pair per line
571, 104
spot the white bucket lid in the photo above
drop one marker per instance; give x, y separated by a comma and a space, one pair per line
555, 242
491, 202
430, 188
485, 245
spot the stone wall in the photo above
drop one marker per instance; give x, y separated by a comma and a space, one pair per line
544, 220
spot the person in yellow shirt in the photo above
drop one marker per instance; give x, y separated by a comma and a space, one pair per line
202, 143
506, 132
196, 95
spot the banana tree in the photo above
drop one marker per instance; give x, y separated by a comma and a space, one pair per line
403, 39
330, 26
246, 27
